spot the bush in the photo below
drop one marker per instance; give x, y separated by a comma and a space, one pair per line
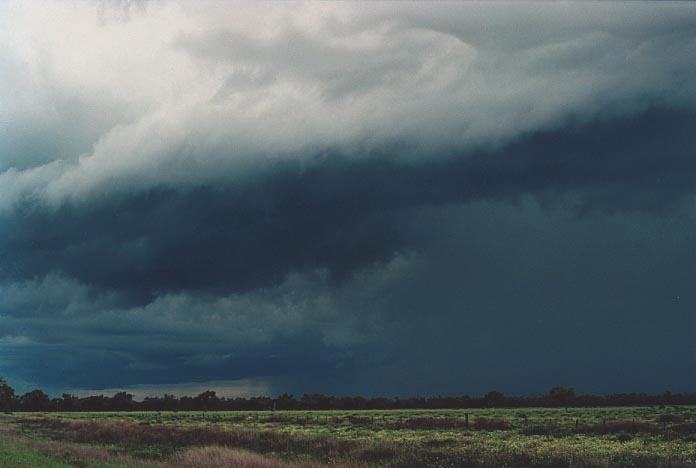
427, 422
615, 427
547, 429
360, 420
277, 418
490, 424
671, 418
686, 428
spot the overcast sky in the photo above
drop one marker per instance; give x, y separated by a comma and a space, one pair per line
377, 198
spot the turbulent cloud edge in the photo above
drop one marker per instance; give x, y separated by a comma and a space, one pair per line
177, 94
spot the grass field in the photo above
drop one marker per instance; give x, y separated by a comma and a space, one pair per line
574, 437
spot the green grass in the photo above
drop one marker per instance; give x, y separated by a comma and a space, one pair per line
16, 455
626, 436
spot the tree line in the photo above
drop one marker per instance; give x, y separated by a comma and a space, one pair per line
37, 400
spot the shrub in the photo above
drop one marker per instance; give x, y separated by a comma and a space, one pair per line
671, 418
277, 418
360, 420
686, 428
437, 443
490, 424
378, 452
427, 422
614, 427
546, 429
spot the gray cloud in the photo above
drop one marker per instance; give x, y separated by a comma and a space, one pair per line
521, 297
211, 99
301, 325
501, 292
326, 197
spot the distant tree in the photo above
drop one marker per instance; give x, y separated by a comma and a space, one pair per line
68, 402
286, 402
36, 400
7, 396
207, 400
561, 396
122, 401
494, 398
95, 403
169, 402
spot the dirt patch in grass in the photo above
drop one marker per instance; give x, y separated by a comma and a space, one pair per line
215, 457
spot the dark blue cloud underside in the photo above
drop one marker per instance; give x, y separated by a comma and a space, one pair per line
338, 214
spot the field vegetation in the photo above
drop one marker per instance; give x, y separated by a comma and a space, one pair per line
560, 429
500, 437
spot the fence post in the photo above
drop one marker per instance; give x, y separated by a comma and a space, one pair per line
466, 419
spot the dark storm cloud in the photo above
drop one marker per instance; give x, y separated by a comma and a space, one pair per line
331, 198
301, 328
339, 214
522, 297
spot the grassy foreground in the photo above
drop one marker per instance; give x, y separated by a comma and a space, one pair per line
575, 437
19, 455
